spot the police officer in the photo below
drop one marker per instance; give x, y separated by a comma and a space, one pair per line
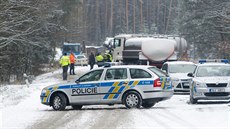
64, 62
109, 57
100, 60
72, 62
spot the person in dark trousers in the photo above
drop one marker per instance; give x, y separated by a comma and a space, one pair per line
91, 60
64, 62
72, 62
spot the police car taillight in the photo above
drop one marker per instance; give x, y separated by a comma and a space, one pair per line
157, 83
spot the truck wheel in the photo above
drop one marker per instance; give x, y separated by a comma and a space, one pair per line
59, 101
132, 100
192, 100
77, 107
148, 105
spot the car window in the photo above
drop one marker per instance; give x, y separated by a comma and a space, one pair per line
91, 76
181, 68
139, 73
114, 74
208, 71
80, 57
165, 67
158, 72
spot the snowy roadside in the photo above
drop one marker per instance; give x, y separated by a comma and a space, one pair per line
20, 106
21, 109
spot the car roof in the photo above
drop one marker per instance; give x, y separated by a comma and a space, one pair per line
127, 66
80, 55
213, 64
179, 62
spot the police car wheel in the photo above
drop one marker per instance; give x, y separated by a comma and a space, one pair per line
192, 100
59, 102
132, 100
77, 107
148, 105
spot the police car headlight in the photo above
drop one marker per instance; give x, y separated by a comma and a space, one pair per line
175, 81
43, 91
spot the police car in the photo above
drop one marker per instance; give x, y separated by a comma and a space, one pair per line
133, 86
178, 71
211, 81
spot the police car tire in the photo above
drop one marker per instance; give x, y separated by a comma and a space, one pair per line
132, 95
77, 107
148, 105
61, 100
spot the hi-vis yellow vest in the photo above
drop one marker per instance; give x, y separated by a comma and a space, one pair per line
64, 61
99, 58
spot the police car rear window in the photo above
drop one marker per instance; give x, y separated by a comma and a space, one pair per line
158, 72
114, 74
139, 73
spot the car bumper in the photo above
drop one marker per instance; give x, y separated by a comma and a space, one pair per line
44, 100
211, 93
158, 94
182, 86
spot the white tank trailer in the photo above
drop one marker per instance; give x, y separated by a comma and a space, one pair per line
148, 49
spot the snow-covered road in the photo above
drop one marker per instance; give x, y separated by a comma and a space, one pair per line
20, 108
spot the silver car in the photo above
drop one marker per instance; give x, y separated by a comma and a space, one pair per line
178, 71
81, 60
211, 81
133, 86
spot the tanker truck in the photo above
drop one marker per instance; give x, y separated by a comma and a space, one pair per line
148, 49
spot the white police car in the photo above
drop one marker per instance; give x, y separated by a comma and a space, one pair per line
133, 86
211, 81
178, 71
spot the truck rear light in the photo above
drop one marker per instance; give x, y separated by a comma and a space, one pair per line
157, 83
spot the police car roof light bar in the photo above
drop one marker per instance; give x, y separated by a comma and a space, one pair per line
202, 61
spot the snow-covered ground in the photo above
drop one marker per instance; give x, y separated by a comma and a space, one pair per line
20, 108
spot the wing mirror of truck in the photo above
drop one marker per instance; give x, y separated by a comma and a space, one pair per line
190, 75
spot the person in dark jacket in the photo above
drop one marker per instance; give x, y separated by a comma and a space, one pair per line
91, 60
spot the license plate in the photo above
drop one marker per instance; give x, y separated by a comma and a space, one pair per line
216, 90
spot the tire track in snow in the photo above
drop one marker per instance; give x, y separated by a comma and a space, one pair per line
148, 113
175, 117
55, 119
113, 119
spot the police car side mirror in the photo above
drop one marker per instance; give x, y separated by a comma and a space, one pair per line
190, 75
164, 71
77, 81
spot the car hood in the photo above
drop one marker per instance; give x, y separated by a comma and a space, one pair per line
60, 84
179, 75
213, 79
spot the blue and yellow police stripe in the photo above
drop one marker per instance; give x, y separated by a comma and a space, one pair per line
51, 90
118, 87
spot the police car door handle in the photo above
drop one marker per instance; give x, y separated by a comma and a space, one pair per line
125, 83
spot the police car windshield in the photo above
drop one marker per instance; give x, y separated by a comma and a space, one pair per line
80, 57
158, 72
209, 71
181, 68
